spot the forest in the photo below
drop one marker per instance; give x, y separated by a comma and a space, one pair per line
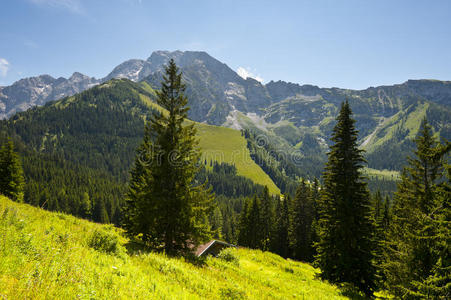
394, 238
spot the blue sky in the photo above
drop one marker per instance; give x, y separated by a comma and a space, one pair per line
349, 44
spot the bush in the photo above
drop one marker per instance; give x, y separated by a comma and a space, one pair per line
229, 255
106, 241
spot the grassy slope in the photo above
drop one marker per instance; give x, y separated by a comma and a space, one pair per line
227, 145
50, 255
382, 174
411, 123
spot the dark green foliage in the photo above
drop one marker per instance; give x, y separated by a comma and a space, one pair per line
100, 212
224, 180
267, 219
417, 253
244, 224
163, 208
80, 145
250, 234
11, 173
345, 226
302, 217
381, 215
281, 242
257, 222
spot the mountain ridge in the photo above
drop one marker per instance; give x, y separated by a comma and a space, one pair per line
37, 90
297, 116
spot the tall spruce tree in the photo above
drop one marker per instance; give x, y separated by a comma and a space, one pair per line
267, 219
254, 225
11, 174
346, 225
163, 207
301, 220
281, 243
243, 226
417, 260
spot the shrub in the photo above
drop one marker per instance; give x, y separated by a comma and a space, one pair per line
229, 255
106, 241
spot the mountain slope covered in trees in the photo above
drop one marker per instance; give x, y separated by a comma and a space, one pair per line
78, 151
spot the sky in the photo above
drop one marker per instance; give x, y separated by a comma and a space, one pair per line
347, 44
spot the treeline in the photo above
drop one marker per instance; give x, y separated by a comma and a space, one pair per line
52, 182
282, 225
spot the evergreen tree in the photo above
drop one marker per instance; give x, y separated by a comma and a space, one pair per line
100, 213
267, 219
11, 174
385, 222
163, 207
244, 224
281, 239
254, 225
438, 284
346, 226
301, 219
417, 261
315, 192
379, 215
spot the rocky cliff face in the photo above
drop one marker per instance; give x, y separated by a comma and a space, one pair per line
33, 91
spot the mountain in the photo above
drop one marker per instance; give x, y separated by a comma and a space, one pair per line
388, 117
295, 117
33, 91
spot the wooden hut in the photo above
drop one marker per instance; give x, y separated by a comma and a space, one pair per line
212, 248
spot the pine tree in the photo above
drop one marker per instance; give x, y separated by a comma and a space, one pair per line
346, 226
163, 207
417, 247
301, 219
11, 174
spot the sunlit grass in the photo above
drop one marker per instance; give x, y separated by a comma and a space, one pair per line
52, 255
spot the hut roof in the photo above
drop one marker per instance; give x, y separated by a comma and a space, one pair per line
203, 249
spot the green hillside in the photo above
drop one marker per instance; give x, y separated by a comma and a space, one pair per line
101, 128
52, 255
228, 145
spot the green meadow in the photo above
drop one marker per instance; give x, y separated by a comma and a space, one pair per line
53, 255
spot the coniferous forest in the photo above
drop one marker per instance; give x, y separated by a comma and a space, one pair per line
71, 156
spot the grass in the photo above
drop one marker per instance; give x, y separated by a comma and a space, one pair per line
52, 255
387, 175
227, 145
